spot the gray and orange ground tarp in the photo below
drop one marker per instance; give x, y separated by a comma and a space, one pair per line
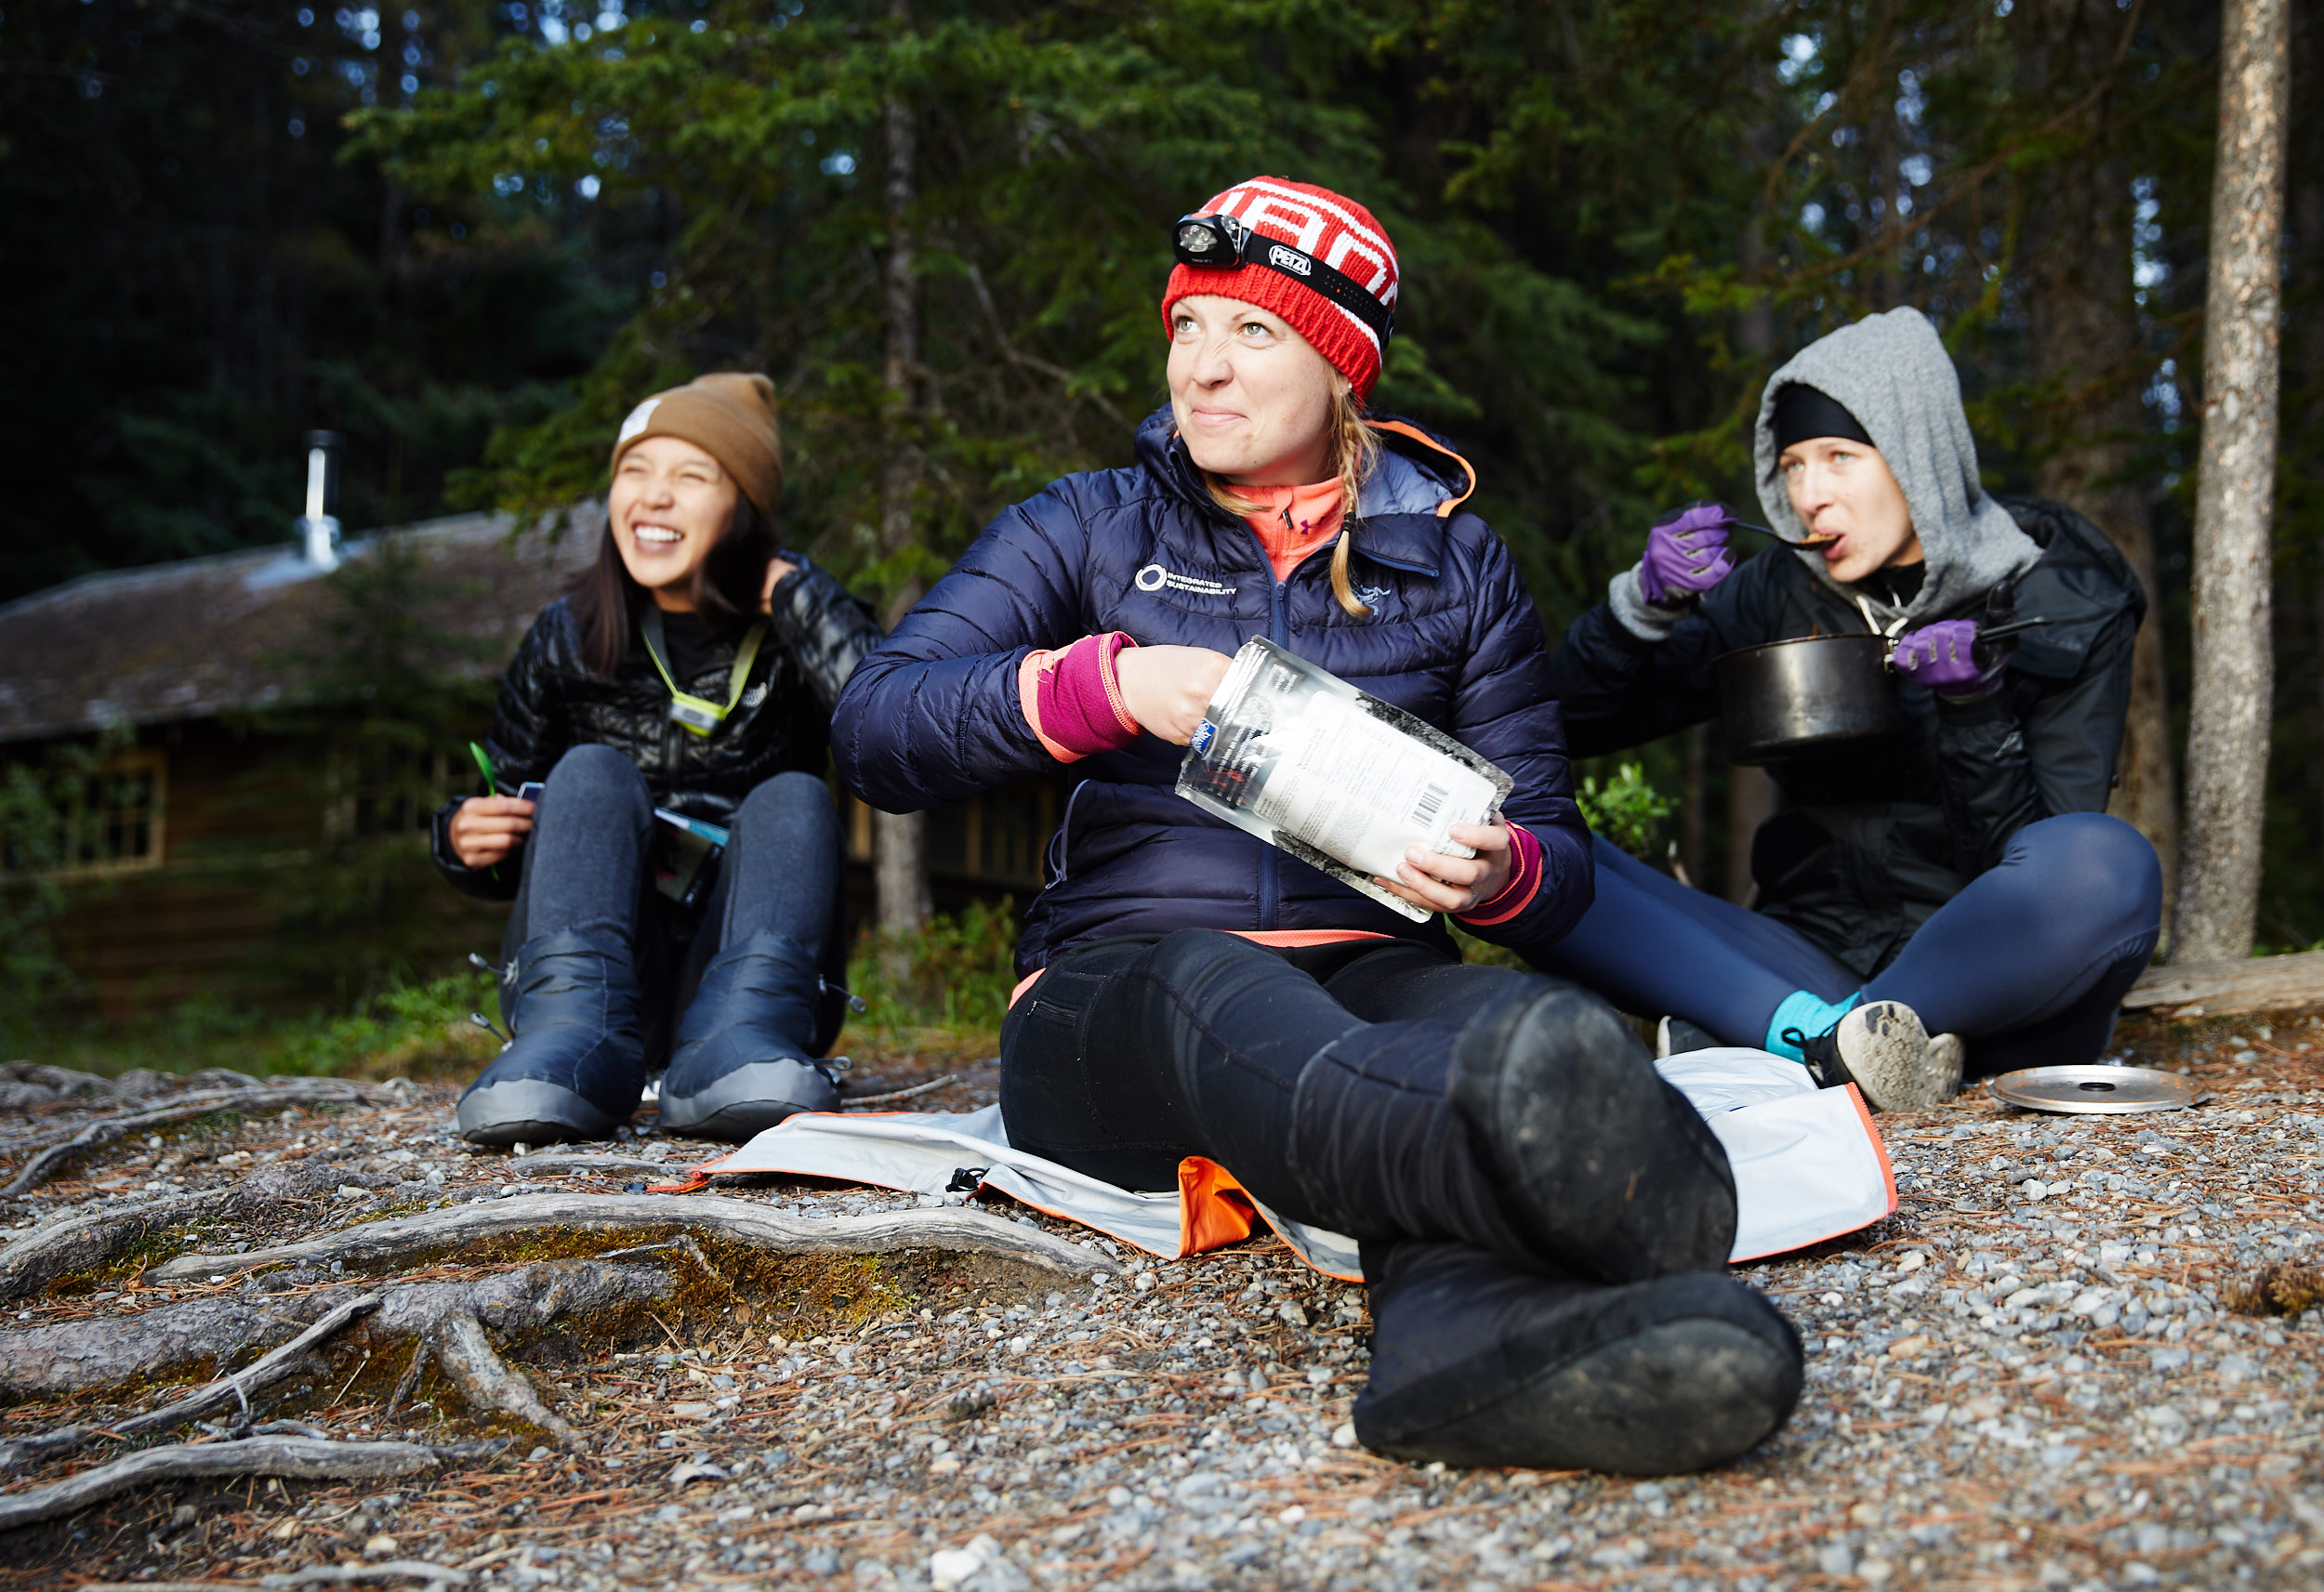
1808, 1165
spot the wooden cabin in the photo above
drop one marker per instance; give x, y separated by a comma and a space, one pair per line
197, 706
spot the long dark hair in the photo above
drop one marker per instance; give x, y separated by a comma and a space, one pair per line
605, 601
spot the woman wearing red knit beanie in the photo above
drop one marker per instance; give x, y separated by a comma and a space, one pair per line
1544, 1223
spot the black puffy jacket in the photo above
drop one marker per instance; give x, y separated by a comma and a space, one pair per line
1870, 842
551, 703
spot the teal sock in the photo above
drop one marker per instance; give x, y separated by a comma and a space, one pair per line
1808, 1014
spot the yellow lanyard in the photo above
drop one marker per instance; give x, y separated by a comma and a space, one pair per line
699, 713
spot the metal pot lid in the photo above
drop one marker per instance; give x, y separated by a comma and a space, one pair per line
2096, 1091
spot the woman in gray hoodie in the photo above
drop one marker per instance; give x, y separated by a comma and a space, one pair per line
1961, 879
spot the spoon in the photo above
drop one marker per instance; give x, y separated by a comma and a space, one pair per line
1806, 541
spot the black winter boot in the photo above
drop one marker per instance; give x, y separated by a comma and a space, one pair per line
1609, 1168
575, 1064
1477, 1363
740, 1062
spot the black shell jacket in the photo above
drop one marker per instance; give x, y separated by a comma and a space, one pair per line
1871, 841
550, 702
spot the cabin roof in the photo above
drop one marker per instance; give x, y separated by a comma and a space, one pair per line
206, 635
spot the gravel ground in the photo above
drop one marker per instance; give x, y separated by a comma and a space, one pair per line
2029, 1377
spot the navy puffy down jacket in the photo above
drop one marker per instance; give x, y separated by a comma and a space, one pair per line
933, 715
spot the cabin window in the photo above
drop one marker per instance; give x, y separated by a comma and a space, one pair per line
380, 792
116, 820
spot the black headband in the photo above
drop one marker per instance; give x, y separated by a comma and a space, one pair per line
1803, 411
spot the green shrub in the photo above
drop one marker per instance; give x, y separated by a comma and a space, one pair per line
945, 990
406, 1030
1627, 810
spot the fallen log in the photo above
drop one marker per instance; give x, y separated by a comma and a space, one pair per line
296, 1458
738, 1221
2221, 989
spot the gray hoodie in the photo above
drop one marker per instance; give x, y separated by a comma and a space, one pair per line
1892, 373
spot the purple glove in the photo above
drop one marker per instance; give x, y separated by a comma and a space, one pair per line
1949, 659
1686, 553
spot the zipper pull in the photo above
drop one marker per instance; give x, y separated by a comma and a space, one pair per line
855, 1003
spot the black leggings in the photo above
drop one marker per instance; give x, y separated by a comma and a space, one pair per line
1316, 1076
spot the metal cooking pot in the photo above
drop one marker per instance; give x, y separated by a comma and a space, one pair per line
1806, 696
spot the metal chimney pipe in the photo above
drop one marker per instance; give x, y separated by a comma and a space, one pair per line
318, 528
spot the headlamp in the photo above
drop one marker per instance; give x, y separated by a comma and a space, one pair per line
1211, 243
1222, 242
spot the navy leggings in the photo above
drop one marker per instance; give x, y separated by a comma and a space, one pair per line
2028, 962
586, 867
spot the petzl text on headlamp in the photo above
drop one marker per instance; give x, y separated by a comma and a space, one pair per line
699, 714
1222, 242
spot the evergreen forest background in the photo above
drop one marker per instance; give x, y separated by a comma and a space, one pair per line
469, 233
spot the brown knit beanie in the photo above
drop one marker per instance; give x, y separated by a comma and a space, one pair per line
729, 415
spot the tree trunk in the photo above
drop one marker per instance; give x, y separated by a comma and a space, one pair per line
1752, 801
1691, 804
2227, 748
900, 839
1752, 793
2087, 338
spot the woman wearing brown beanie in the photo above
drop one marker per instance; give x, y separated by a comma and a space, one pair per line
689, 675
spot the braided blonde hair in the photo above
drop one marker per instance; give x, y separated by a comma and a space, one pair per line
1355, 453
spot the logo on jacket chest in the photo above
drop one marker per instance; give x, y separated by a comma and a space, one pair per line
1154, 577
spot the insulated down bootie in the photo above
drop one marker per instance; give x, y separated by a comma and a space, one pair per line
740, 1062
1477, 1363
1883, 1048
1609, 1168
576, 1063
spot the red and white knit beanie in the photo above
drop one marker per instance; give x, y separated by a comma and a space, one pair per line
1336, 231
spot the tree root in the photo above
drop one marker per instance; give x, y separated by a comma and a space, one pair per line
886, 1097
69, 1357
340, 1574
486, 1381
591, 1161
85, 1240
76, 1355
105, 1130
739, 1221
297, 1457
238, 1387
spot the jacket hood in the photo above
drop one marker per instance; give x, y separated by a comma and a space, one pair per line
1400, 512
1892, 373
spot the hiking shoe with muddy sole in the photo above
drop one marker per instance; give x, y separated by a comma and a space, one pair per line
1884, 1050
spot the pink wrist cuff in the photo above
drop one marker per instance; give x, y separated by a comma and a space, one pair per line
1525, 882
1073, 698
